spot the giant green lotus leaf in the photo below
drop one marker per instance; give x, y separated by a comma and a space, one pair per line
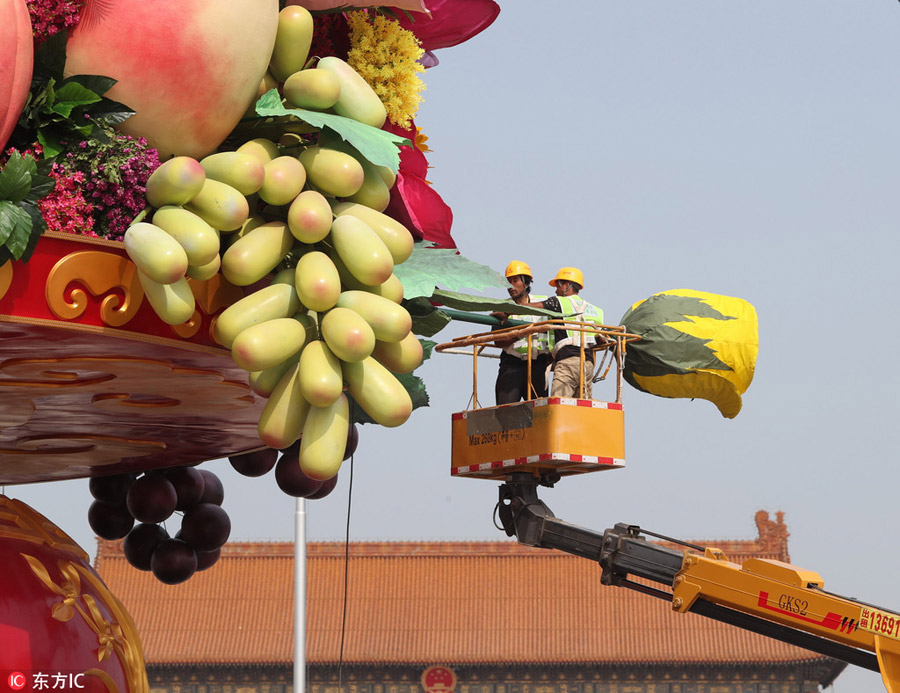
428, 267
460, 301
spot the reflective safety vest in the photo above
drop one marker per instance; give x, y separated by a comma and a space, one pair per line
576, 309
541, 342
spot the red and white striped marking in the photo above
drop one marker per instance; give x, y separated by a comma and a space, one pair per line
572, 462
593, 404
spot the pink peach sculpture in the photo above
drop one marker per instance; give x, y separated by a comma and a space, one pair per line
16, 62
189, 68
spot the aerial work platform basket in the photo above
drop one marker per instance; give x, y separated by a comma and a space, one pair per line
548, 436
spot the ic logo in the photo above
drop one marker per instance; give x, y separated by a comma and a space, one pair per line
17, 681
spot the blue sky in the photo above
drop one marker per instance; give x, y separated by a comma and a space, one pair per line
748, 149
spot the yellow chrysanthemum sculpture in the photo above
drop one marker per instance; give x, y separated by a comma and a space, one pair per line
693, 344
387, 57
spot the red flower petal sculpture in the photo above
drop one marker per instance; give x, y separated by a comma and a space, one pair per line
451, 22
414, 203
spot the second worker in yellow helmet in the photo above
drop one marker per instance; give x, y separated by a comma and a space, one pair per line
569, 379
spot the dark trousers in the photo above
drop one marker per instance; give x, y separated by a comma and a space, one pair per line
512, 378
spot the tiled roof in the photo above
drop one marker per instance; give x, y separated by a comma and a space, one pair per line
420, 603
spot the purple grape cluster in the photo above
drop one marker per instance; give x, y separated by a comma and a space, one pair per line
152, 498
288, 474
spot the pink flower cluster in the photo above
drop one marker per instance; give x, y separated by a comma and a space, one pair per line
65, 208
35, 151
51, 16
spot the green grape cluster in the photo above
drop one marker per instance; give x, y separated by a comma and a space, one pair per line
302, 215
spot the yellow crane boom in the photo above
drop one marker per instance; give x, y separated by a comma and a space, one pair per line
769, 597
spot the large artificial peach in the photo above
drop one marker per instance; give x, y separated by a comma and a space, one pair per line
16, 61
189, 68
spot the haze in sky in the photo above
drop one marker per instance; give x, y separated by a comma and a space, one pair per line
747, 149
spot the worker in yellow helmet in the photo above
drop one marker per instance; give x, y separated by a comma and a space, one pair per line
567, 375
512, 376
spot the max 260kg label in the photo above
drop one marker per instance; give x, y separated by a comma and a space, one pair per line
497, 437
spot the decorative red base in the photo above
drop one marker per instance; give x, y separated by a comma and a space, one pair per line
91, 378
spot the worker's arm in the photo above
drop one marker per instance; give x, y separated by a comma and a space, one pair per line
502, 342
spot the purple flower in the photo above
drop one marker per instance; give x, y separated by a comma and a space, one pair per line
113, 176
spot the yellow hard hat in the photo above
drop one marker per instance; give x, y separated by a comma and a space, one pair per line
516, 268
569, 274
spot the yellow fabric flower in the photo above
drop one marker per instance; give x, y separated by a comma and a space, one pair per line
387, 56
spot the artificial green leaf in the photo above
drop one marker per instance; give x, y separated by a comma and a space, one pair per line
96, 83
50, 57
85, 130
13, 221
427, 267
420, 305
110, 112
70, 96
426, 319
427, 347
15, 178
47, 95
415, 386
21, 233
36, 98
453, 299
50, 142
430, 325
38, 226
7, 219
57, 106
42, 167
41, 186
63, 108
378, 146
